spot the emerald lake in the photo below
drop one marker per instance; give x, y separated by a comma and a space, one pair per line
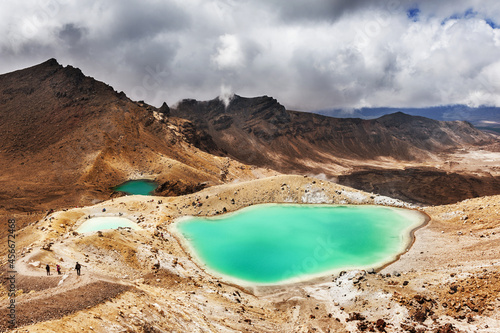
140, 186
280, 243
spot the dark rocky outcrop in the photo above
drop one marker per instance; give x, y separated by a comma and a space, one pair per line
164, 109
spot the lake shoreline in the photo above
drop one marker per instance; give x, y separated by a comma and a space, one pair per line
304, 279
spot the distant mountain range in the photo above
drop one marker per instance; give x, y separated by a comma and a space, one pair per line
487, 118
397, 154
260, 131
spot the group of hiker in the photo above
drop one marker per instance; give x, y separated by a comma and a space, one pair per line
58, 268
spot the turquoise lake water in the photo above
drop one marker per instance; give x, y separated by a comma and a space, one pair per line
141, 187
271, 244
106, 223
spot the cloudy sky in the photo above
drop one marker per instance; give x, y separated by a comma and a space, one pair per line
309, 54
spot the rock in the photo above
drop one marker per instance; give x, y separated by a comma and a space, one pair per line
419, 299
158, 308
371, 271
380, 325
35, 264
408, 328
355, 316
46, 246
397, 274
453, 289
405, 283
420, 316
447, 328
164, 109
363, 326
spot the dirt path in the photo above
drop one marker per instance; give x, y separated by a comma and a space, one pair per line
51, 297
51, 306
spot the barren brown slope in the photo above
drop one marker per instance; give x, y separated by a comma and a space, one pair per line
65, 139
423, 185
262, 132
284, 139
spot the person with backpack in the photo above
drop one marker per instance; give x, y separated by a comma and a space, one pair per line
78, 267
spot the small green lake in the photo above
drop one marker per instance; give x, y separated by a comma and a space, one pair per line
280, 243
140, 187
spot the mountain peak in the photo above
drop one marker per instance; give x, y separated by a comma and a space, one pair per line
60, 98
399, 118
164, 109
398, 114
256, 104
51, 62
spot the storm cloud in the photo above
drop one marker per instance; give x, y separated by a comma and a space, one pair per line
308, 54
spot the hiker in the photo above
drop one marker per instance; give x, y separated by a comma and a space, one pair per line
77, 267
58, 268
48, 269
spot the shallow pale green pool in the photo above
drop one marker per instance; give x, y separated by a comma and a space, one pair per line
141, 187
106, 223
270, 244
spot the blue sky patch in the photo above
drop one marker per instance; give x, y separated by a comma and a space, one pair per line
492, 23
413, 14
468, 14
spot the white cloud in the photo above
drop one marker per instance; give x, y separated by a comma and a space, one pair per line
307, 54
229, 54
